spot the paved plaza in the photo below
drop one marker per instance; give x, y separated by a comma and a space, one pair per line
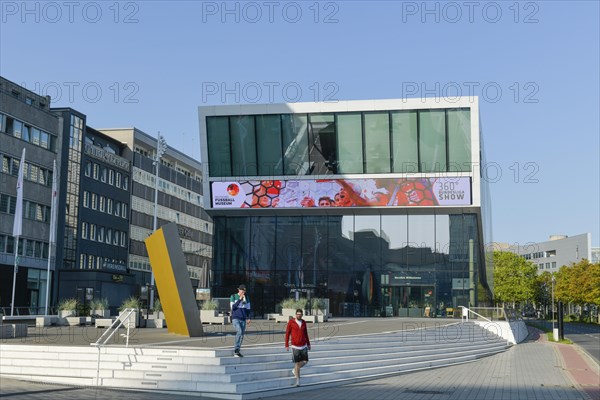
533, 370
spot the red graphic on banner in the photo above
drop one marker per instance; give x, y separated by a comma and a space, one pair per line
382, 192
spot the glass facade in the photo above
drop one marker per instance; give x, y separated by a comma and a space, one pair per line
340, 143
371, 255
73, 192
366, 265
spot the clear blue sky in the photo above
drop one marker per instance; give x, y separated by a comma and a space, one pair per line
150, 64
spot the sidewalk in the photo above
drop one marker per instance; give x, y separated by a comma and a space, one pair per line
533, 370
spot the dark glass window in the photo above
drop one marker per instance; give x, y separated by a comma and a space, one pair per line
217, 129
243, 145
268, 145
295, 144
322, 144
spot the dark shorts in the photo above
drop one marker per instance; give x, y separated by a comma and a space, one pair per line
300, 355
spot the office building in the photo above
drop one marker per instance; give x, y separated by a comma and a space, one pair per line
378, 206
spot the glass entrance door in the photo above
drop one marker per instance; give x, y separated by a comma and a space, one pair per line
413, 301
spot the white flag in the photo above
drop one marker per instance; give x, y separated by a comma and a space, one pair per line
18, 224
53, 208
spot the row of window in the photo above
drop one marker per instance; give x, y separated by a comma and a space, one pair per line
104, 204
28, 133
139, 263
90, 261
31, 210
168, 214
148, 179
548, 265
539, 254
27, 247
167, 163
103, 235
106, 175
340, 143
31, 172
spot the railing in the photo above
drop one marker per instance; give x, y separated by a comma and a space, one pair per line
27, 311
465, 314
110, 331
491, 313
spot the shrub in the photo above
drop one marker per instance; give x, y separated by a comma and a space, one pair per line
157, 306
209, 305
99, 304
130, 302
294, 304
68, 304
318, 304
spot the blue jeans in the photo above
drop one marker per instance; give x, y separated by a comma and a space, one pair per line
240, 328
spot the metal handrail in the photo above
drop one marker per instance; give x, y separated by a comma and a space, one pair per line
465, 314
111, 330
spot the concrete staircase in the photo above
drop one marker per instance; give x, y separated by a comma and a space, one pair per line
263, 371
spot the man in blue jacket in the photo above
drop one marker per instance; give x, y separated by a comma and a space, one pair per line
240, 315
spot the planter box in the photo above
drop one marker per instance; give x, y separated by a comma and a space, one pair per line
288, 312
101, 313
155, 323
213, 317
133, 321
46, 320
67, 313
75, 321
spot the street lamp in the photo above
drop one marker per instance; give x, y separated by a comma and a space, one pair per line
554, 331
161, 147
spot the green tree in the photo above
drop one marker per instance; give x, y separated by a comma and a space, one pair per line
543, 290
578, 283
514, 278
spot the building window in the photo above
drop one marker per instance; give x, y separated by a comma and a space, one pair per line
88, 168
432, 140
92, 231
118, 182
84, 230
124, 210
377, 139
350, 146
108, 235
459, 140
111, 177
100, 233
322, 146
102, 202
94, 201
219, 146
109, 206
86, 199
95, 171
103, 175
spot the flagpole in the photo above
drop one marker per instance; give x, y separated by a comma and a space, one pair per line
17, 227
52, 239
15, 269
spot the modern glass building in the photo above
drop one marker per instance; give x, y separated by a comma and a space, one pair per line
376, 205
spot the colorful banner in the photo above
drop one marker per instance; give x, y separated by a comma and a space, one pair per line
381, 192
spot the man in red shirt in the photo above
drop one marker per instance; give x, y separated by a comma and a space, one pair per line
296, 328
